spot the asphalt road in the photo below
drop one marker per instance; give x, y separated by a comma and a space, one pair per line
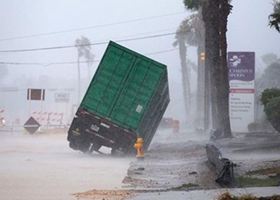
42, 166
38, 167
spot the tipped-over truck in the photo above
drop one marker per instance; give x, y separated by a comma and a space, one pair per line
126, 99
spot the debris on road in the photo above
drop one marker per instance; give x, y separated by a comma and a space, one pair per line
223, 166
104, 194
228, 196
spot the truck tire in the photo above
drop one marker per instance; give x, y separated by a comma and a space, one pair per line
84, 146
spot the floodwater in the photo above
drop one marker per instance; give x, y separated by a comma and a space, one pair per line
42, 166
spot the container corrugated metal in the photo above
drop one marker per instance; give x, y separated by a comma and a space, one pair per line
126, 98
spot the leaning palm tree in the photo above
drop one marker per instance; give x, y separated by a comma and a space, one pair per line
191, 32
180, 41
84, 50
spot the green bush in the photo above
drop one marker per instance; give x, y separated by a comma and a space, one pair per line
260, 126
269, 94
272, 111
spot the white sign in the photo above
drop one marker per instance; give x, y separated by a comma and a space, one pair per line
62, 97
242, 89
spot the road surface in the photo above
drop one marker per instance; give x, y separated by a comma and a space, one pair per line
39, 167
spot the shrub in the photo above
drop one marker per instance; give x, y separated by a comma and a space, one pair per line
269, 94
272, 111
263, 125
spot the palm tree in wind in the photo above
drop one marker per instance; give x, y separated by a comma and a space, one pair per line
84, 50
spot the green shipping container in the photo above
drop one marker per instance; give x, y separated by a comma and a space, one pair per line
129, 91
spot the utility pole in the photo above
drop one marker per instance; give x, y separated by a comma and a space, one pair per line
79, 81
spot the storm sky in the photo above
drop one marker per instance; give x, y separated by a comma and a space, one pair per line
27, 24
247, 29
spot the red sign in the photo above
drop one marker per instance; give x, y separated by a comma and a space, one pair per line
241, 90
36, 94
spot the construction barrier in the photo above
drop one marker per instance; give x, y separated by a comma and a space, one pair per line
48, 118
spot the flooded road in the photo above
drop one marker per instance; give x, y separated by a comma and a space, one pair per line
44, 167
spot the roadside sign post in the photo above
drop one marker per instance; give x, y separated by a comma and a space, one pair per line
37, 95
31, 125
242, 89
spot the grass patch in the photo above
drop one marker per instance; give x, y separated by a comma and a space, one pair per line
185, 186
228, 196
266, 171
245, 181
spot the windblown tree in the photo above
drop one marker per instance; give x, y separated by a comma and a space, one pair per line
274, 18
180, 41
269, 79
215, 14
84, 50
191, 32
185, 71
269, 58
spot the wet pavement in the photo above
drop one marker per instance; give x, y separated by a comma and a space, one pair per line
175, 160
42, 166
39, 167
179, 162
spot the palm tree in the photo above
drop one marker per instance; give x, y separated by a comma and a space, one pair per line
215, 14
210, 18
84, 50
223, 92
274, 18
180, 41
191, 31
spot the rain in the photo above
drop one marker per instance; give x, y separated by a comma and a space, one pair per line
210, 124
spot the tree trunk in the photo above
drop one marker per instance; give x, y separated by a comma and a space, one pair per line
200, 90
89, 71
223, 94
185, 76
210, 18
215, 13
207, 99
202, 105
79, 81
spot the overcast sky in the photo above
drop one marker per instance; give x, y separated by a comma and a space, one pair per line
22, 21
248, 29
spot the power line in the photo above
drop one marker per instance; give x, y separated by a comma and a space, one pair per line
89, 27
91, 44
20, 63
75, 62
45, 64
166, 30
161, 52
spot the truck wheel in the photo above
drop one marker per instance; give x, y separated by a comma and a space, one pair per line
84, 146
73, 145
117, 152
